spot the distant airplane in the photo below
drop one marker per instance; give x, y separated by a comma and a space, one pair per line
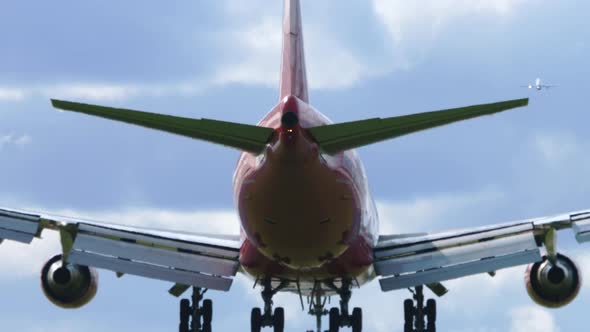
309, 224
538, 85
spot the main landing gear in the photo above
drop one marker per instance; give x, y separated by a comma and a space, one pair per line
260, 319
417, 317
195, 317
338, 317
343, 318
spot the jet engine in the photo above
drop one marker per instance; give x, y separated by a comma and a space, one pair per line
553, 285
68, 286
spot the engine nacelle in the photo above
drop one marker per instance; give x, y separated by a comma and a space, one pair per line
70, 286
553, 285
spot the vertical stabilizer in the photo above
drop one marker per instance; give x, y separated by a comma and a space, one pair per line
293, 74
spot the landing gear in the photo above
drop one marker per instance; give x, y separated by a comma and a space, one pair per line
268, 318
342, 317
317, 307
195, 317
419, 318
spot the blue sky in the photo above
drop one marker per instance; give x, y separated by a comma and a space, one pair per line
220, 59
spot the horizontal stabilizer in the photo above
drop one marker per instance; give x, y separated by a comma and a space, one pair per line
240, 136
349, 135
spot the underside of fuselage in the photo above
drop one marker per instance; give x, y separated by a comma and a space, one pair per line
305, 215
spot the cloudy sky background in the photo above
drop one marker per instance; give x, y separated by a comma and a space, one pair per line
220, 59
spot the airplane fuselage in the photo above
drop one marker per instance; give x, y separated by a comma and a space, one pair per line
304, 215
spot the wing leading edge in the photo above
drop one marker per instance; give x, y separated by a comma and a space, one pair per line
200, 260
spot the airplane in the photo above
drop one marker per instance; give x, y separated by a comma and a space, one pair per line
309, 225
538, 85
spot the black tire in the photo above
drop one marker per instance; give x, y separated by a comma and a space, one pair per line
256, 320
185, 311
334, 320
207, 311
431, 310
408, 327
278, 320
206, 327
409, 312
431, 327
357, 320
183, 327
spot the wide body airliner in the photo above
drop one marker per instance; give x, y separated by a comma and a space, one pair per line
538, 85
309, 225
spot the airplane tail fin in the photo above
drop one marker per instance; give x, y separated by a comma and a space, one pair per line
293, 73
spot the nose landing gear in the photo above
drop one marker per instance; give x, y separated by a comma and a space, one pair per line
195, 317
418, 317
276, 320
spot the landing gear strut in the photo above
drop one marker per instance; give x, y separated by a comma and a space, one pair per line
417, 317
343, 318
267, 318
317, 306
195, 317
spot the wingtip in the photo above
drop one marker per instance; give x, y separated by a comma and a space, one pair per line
55, 103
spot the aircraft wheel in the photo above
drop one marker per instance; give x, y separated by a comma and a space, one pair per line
256, 320
408, 315
334, 320
207, 311
357, 320
206, 327
431, 310
431, 327
185, 312
409, 311
278, 320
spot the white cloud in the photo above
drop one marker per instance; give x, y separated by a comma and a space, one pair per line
11, 94
90, 91
556, 148
12, 139
406, 20
531, 318
414, 25
257, 50
330, 64
435, 212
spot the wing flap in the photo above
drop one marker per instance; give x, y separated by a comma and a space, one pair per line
442, 257
436, 258
335, 138
206, 244
459, 270
150, 271
240, 136
157, 256
18, 227
408, 261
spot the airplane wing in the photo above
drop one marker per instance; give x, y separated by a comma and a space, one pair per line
200, 260
240, 136
338, 137
409, 261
